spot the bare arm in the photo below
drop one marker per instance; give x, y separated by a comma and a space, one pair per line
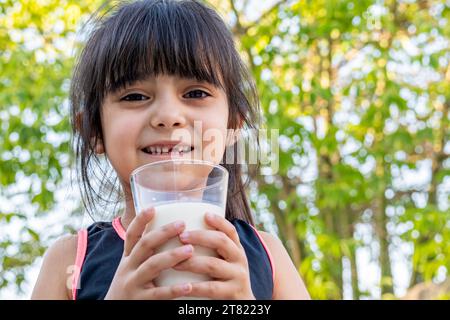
288, 285
54, 280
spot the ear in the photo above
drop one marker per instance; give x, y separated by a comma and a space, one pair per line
97, 143
99, 146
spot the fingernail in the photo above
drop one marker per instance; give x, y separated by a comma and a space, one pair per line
188, 249
185, 287
178, 224
184, 236
210, 216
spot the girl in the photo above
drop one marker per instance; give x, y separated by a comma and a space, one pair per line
150, 68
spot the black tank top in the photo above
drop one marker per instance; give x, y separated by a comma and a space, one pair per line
100, 250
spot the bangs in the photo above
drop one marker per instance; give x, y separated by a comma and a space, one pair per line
147, 40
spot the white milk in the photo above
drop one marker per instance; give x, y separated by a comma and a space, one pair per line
193, 214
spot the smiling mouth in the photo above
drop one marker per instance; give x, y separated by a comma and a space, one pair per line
166, 150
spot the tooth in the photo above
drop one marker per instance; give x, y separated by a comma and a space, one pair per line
165, 149
152, 149
187, 149
157, 150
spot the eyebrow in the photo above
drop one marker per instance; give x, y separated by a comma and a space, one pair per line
152, 80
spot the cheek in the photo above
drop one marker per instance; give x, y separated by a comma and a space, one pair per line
120, 134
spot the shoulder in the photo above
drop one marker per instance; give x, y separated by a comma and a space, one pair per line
57, 267
274, 247
287, 281
272, 243
64, 243
270, 240
62, 251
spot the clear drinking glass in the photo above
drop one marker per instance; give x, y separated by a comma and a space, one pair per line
180, 189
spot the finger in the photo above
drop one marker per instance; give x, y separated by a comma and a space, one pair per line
222, 224
211, 266
153, 239
211, 289
136, 228
166, 293
213, 239
153, 266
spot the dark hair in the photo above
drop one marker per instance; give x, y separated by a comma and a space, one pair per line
134, 40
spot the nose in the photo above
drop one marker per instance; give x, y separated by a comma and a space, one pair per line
168, 113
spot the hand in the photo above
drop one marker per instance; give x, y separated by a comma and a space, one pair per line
230, 273
139, 265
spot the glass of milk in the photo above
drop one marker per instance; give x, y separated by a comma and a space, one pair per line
180, 189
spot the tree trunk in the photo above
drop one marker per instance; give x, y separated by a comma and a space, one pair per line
439, 155
356, 294
288, 235
383, 238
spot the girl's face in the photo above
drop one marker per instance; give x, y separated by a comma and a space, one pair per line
162, 118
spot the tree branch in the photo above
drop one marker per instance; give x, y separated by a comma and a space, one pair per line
240, 29
266, 13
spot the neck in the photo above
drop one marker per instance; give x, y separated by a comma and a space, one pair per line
128, 214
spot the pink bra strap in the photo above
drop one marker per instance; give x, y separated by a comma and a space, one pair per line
81, 253
117, 225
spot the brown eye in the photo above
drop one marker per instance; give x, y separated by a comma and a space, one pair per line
134, 97
196, 94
